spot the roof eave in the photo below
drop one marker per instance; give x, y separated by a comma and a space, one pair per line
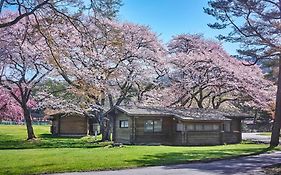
238, 116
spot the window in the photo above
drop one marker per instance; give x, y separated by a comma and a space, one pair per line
216, 127
226, 127
153, 126
124, 124
157, 125
208, 127
148, 126
199, 127
180, 127
211, 127
203, 127
190, 127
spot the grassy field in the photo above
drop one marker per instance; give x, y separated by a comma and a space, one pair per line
48, 155
13, 137
266, 134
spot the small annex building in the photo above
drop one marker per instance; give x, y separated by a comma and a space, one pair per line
71, 124
171, 126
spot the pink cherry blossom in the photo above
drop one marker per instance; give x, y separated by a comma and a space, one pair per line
203, 75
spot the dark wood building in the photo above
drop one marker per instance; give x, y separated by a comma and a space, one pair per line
71, 124
170, 126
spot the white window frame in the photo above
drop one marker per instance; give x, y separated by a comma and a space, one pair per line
123, 124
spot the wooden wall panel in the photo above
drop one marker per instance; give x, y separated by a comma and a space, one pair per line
123, 135
73, 125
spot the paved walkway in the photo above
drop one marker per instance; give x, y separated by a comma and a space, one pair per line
250, 165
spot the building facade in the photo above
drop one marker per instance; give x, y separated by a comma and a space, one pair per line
143, 125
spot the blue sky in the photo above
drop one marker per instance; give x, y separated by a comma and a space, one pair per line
172, 17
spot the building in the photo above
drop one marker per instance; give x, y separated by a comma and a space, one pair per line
71, 124
171, 126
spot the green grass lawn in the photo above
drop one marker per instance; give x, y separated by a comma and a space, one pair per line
14, 137
266, 134
48, 155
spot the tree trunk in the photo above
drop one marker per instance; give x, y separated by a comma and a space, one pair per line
102, 130
91, 124
200, 104
105, 130
28, 122
104, 126
200, 100
256, 116
106, 136
277, 119
216, 107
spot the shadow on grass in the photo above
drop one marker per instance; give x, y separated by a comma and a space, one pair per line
50, 136
234, 165
48, 141
196, 156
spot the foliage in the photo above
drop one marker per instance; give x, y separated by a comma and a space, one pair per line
254, 23
55, 95
204, 76
271, 69
256, 26
27, 46
118, 60
108, 64
8, 106
22, 66
66, 9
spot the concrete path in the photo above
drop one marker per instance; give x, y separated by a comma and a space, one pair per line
256, 137
250, 165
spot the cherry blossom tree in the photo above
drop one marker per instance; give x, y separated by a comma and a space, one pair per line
138, 63
57, 95
255, 24
111, 66
22, 67
202, 74
59, 9
9, 108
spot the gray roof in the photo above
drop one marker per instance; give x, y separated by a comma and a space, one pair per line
182, 114
64, 114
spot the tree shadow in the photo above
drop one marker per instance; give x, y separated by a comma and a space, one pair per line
50, 136
274, 169
209, 161
49, 141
